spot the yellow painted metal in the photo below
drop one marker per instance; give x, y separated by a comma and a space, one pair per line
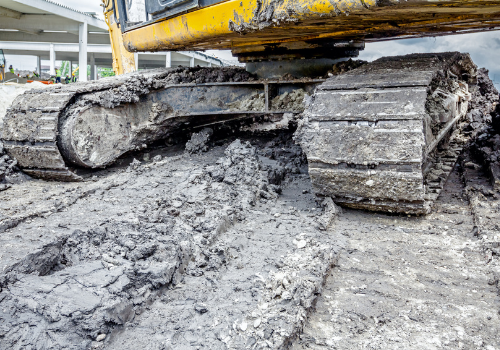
224, 19
238, 23
123, 60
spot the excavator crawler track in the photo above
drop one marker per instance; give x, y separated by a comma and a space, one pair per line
383, 137
32, 123
53, 131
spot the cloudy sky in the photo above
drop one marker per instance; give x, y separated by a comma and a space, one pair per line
483, 47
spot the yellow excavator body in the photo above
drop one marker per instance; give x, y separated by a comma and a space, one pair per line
247, 27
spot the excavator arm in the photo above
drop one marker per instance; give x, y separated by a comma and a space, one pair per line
260, 30
123, 60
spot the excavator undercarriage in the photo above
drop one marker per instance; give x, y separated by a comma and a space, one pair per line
376, 137
383, 136
92, 124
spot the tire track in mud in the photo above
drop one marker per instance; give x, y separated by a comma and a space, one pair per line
36, 212
484, 201
253, 287
60, 198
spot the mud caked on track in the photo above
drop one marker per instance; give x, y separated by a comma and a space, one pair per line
223, 244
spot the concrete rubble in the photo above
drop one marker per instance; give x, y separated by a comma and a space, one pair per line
220, 242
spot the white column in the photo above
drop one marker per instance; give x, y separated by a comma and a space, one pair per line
136, 59
52, 60
191, 62
210, 64
70, 68
39, 65
82, 56
93, 70
168, 60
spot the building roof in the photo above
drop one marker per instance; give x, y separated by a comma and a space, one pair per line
72, 9
47, 21
24, 10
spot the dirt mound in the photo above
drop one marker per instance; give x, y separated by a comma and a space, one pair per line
210, 75
199, 141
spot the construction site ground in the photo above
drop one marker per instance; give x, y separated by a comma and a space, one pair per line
217, 240
390, 282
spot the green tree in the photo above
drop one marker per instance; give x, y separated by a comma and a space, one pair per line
65, 68
106, 72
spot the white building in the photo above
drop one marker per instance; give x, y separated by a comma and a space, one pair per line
51, 31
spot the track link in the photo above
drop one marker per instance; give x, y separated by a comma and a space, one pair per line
371, 135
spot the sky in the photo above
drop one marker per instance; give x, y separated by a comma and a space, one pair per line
484, 48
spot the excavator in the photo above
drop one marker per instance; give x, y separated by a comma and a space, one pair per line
378, 137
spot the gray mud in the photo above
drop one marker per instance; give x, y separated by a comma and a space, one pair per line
422, 283
288, 101
199, 141
178, 234
254, 102
7, 169
135, 85
408, 283
484, 125
230, 249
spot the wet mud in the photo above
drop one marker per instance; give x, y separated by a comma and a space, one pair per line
173, 234
221, 243
7, 169
422, 282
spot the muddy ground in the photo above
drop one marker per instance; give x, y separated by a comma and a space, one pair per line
231, 249
208, 241
222, 244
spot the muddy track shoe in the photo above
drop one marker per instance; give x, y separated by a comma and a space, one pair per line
374, 135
